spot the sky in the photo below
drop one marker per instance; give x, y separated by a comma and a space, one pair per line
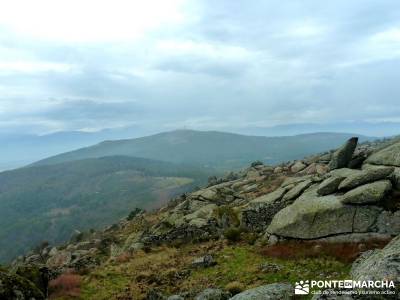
213, 64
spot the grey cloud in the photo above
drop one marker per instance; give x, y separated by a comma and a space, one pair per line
292, 74
72, 110
190, 64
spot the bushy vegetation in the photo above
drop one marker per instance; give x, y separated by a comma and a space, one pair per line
233, 234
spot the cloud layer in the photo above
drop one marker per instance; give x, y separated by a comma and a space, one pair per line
201, 64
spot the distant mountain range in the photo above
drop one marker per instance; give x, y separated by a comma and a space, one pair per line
380, 129
18, 150
212, 149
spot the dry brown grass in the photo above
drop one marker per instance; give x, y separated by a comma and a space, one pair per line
344, 252
65, 285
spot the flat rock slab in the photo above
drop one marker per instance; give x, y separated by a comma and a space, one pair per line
368, 193
311, 217
343, 172
389, 156
294, 180
365, 176
297, 190
267, 292
268, 198
329, 185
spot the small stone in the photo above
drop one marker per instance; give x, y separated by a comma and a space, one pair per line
213, 294
297, 190
322, 169
269, 268
204, 262
272, 240
298, 166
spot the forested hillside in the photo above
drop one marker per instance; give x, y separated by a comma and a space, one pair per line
50, 202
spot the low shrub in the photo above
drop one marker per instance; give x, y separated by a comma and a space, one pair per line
233, 234
65, 285
249, 237
234, 287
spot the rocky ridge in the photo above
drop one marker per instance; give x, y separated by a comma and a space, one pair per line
347, 195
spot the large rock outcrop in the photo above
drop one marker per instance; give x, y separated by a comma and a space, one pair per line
311, 217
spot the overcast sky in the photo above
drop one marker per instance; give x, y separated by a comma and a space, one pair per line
217, 64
